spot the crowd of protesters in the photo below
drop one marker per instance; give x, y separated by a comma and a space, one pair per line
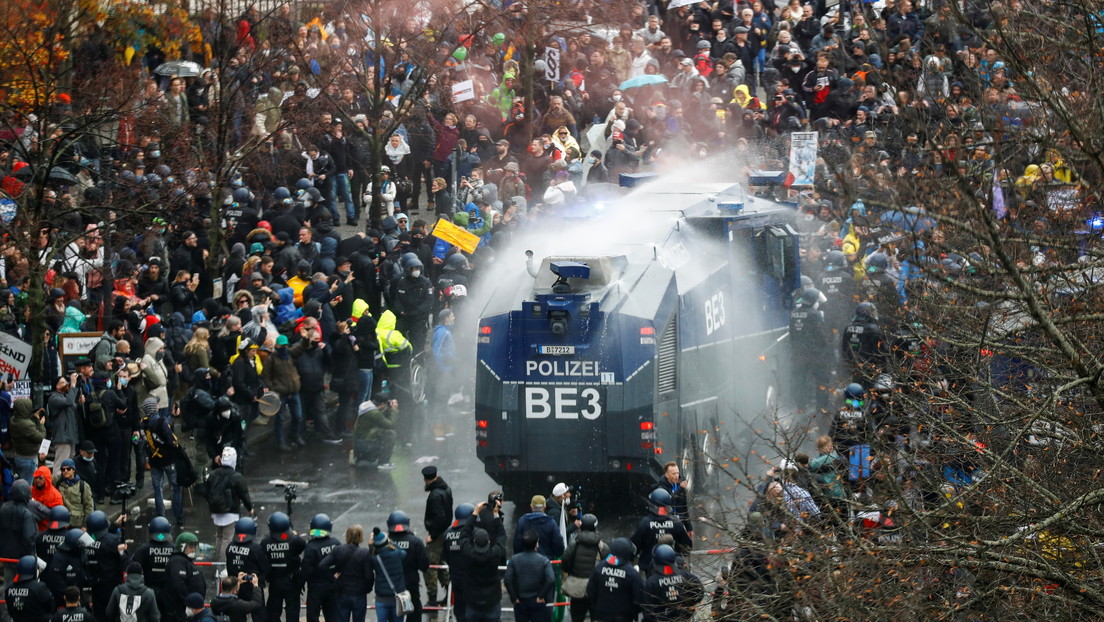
302, 309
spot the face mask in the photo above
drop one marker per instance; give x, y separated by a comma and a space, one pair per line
591, 159
188, 611
160, 355
86, 459
155, 154
415, 273
123, 382
616, 98
225, 414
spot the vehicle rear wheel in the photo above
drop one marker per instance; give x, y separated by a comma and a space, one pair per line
417, 381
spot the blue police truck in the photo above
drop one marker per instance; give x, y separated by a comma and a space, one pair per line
602, 368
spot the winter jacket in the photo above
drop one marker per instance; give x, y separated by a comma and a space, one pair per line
391, 560
48, 495
26, 430
280, 373
61, 414
354, 565
286, 311
238, 607
226, 478
74, 317
344, 377
444, 349
483, 585
133, 595
154, 379
529, 575
583, 554
311, 361
78, 497
551, 543
17, 524
438, 513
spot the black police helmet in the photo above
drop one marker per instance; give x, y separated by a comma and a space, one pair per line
464, 511
659, 497
663, 555
59, 517
279, 523
159, 529
245, 529
398, 521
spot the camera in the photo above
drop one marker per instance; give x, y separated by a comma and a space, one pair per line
493, 498
123, 491
290, 493
247, 578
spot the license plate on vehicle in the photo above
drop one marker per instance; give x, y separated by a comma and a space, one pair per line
556, 350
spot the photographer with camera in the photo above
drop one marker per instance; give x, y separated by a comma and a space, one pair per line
239, 597
483, 547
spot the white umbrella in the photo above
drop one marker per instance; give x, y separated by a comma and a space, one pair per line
674, 4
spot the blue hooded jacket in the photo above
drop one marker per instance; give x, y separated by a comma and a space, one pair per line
550, 542
286, 310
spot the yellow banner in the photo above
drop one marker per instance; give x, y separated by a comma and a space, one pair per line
466, 240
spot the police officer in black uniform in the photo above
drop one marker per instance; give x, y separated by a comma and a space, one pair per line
837, 283
72, 611
865, 349
398, 530
412, 302
453, 555
320, 582
809, 340
283, 550
659, 521
66, 567
878, 287
28, 599
615, 590
104, 561
182, 577
671, 591
46, 542
245, 555
154, 555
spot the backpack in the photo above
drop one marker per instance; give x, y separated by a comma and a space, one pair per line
220, 496
159, 450
128, 607
97, 415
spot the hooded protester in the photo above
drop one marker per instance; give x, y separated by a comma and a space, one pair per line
155, 375
17, 524
44, 492
134, 597
74, 318
28, 428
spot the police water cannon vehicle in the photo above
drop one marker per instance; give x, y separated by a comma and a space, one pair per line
601, 368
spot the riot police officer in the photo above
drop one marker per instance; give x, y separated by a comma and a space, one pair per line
616, 589
878, 286
412, 302
154, 555
283, 550
398, 530
453, 555
660, 520
809, 341
66, 567
104, 557
851, 431
320, 582
46, 542
28, 599
671, 592
182, 577
838, 286
245, 555
864, 344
